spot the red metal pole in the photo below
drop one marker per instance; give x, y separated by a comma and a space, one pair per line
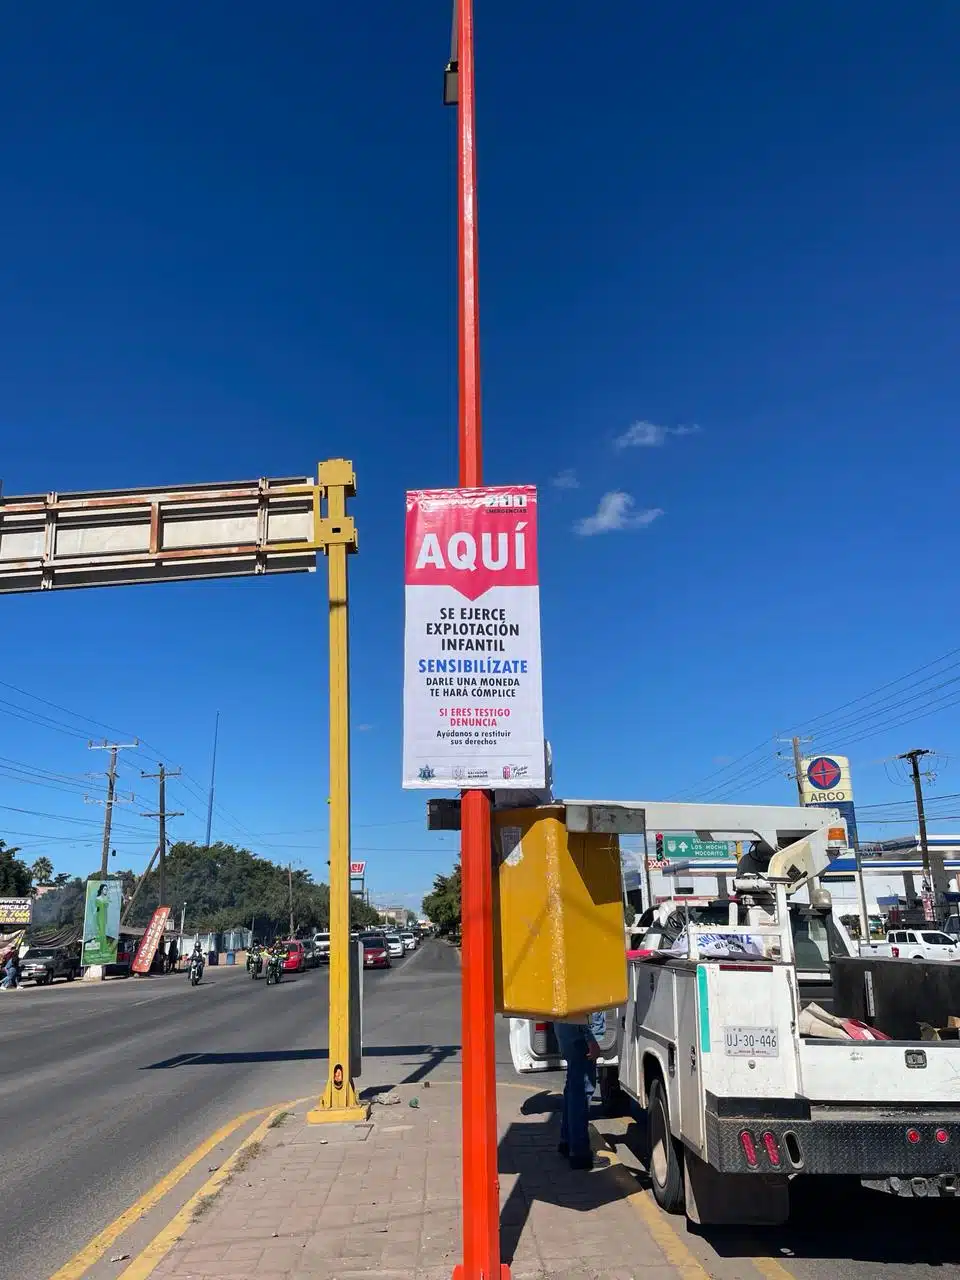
481, 1196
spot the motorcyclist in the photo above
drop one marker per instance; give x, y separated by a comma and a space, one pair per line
276, 956
196, 957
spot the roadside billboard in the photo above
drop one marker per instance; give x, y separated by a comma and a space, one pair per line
825, 783
150, 940
16, 911
472, 693
101, 921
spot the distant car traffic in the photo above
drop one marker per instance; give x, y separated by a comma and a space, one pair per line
321, 942
43, 964
410, 941
295, 960
395, 946
375, 952
311, 957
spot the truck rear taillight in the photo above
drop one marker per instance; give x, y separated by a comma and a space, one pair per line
772, 1150
540, 1037
942, 1136
913, 1136
749, 1149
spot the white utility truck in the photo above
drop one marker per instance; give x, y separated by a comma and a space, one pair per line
817, 938
743, 1091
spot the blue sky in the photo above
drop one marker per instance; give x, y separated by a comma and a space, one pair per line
719, 280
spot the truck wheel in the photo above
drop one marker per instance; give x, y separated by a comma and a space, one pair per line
666, 1174
70, 975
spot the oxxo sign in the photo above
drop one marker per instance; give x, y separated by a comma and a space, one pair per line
472, 701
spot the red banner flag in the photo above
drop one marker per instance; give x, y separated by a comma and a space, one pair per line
151, 940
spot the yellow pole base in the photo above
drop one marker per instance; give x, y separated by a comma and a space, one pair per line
339, 1106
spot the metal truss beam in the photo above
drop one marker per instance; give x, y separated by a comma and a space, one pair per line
123, 536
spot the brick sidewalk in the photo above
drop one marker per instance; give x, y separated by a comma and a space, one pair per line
383, 1200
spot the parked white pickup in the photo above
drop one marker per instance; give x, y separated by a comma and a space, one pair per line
915, 944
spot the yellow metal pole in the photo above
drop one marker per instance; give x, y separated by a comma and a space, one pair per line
339, 1103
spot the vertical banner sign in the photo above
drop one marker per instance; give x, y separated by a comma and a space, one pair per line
472, 695
101, 921
826, 784
151, 940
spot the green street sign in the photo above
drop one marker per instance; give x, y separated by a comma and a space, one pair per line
691, 846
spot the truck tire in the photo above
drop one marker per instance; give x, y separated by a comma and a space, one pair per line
666, 1171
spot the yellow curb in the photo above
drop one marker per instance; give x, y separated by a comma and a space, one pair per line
771, 1268
91, 1252
94, 1249
147, 1261
658, 1224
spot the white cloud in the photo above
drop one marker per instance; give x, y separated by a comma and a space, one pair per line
566, 479
650, 435
616, 511
363, 728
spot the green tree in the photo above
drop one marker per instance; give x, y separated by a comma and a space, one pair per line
363, 916
42, 871
63, 905
15, 878
443, 906
225, 886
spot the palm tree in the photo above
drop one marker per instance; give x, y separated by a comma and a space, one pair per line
42, 871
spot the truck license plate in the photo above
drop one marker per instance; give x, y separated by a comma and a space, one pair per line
751, 1042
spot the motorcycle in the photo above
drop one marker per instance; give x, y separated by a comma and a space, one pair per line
196, 971
274, 967
255, 964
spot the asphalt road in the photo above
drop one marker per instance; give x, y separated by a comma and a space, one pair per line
105, 1087
835, 1228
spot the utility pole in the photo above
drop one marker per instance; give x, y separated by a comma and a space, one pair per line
213, 778
798, 767
162, 815
933, 869
113, 748
138, 886
290, 887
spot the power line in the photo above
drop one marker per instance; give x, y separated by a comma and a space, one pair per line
881, 707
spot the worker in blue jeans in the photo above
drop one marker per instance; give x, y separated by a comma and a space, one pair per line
579, 1047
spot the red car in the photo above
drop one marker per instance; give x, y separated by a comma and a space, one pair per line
375, 953
295, 960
